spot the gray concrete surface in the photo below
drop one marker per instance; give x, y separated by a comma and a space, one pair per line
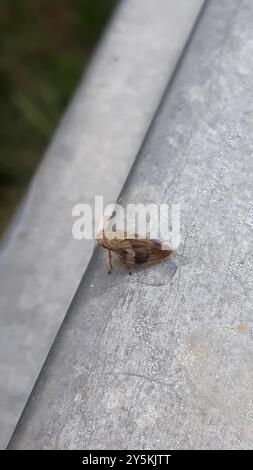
163, 358
41, 264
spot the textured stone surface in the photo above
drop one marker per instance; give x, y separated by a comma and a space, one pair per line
163, 359
41, 264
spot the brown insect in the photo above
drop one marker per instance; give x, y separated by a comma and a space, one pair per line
133, 251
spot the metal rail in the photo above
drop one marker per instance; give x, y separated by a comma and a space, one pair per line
41, 265
163, 358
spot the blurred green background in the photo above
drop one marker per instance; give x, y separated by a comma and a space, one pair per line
45, 45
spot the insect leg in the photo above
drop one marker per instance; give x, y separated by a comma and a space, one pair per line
110, 261
127, 258
127, 266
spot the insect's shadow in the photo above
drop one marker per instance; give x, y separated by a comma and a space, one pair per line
157, 275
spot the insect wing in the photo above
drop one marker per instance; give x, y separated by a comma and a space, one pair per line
140, 251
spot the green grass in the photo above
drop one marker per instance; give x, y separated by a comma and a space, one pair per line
44, 48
